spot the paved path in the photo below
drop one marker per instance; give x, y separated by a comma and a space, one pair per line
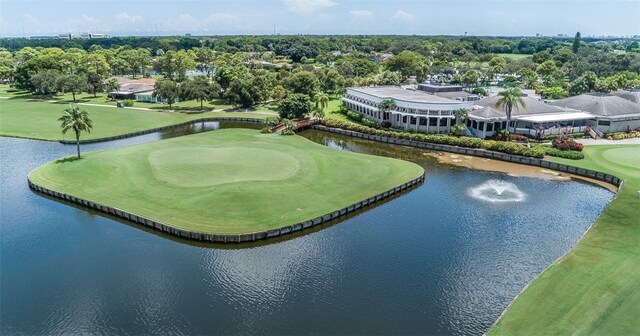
588, 142
105, 105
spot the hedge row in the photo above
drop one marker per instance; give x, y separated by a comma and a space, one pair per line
567, 154
498, 146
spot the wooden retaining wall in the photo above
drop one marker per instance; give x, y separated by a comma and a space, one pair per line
226, 238
614, 180
163, 128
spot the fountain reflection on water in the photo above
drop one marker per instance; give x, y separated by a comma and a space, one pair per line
497, 191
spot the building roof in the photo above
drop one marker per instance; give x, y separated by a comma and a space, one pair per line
140, 85
600, 104
455, 94
630, 95
398, 93
486, 108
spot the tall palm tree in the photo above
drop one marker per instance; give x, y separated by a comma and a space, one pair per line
510, 99
321, 100
78, 120
461, 115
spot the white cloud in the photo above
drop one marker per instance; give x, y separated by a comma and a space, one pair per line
308, 6
401, 15
125, 17
30, 19
362, 14
221, 18
90, 19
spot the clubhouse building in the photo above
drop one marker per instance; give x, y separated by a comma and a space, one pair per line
430, 109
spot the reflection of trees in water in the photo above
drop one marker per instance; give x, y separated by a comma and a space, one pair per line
370, 147
205, 126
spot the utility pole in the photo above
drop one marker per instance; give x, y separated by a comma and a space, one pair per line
23, 34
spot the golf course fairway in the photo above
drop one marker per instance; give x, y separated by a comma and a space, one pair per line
230, 181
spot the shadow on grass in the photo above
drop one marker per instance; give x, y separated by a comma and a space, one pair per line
67, 159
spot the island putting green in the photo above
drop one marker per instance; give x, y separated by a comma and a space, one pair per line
229, 181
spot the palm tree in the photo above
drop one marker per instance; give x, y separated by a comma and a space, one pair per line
78, 120
461, 115
510, 99
386, 106
322, 100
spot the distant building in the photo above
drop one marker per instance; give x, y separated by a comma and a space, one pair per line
430, 109
610, 112
454, 92
139, 90
415, 110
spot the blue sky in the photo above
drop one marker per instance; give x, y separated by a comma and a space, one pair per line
486, 17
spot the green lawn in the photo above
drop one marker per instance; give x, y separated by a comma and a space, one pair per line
514, 56
23, 116
595, 288
226, 181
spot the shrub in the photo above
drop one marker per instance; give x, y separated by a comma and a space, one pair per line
370, 123
355, 116
128, 102
288, 132
385, 124
567, 144
567, 154
266, 130
272, 121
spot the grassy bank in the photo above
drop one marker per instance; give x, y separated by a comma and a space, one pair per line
227, 181
594, 289
23, 116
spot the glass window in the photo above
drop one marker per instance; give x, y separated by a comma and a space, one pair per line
443, 121
433, 121
413, 120
604, 123
481, 125
423, 121
490, 127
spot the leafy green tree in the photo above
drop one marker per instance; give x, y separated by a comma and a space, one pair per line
509, 99
95, 83
553, 92
200, 89
204, 58
174, 64
407, 63
241, 92
167, 90
46, 82
74, 84
304, 82
389, 78
352, 67
471, 77
295, 105
112, 85
77, 120
331, 81
278, 92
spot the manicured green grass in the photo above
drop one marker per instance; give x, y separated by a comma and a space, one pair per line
21, 116
595, 288
514, 56
227, 181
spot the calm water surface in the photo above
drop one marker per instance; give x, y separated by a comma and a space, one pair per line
432, 261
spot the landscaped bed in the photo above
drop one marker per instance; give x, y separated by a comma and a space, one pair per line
226, 182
